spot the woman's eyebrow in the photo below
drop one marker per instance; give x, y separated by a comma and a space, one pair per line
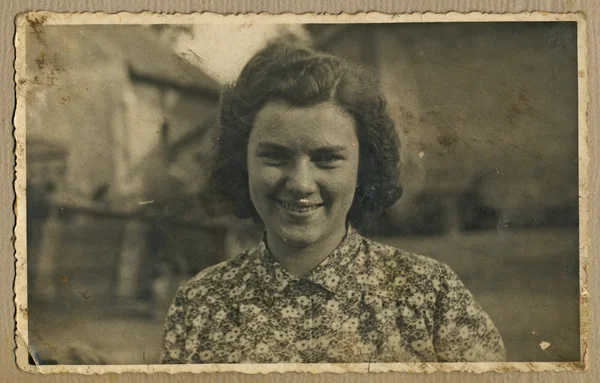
266, 145
330, 149
271, 146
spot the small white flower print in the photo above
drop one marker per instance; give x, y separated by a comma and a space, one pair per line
260, 270
471, 310
394, 339
384, 314
336, 325
234, 292
203, 310
278, 274
378, 273
220, 315
255, 309
192, 293
249, 294
296, 359
464, 333
307, 324
417, 299
206, 355
267, 278
452, 295
217, 335
418, 345
229, 275
470, 354
332, 305
419, 269
302, 345
451, 314
362, 278
247, 277
199, 321
234, 356
446, 329
280, 335
261, 318
191, 344
360, 259
407, 312
332, 281
351, 324
323, 341
351, 294
303, 301
170, 337
317, 321
262, 348
230, 336
430, 297
289, 312
373, 300
372, 280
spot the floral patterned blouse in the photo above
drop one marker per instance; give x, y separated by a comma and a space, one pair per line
366, 302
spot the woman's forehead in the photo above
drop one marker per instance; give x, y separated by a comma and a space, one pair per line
322, 123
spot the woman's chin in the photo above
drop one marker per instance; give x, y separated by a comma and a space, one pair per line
297, 237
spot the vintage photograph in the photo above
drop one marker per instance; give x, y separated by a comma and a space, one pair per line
293, 191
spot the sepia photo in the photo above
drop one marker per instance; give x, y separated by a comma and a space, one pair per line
313, 193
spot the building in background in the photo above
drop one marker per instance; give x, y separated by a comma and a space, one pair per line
487, 117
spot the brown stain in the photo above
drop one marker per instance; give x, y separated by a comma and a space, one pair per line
65, 99
64, 278
528, 196
85, 294
581, 74
36, 22
24, 312
447, 140
49, 68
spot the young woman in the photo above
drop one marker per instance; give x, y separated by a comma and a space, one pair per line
308, 149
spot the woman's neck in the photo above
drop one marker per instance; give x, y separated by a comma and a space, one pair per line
299, 261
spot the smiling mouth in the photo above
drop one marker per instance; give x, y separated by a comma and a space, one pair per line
298, 208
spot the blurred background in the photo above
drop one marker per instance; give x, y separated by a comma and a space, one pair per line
120, 122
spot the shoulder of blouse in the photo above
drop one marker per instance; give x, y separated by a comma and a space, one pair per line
405, 266
211, 275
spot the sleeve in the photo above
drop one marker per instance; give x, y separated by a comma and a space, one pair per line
463, 331
174, 331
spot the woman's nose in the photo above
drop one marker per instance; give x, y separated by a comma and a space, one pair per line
301, 179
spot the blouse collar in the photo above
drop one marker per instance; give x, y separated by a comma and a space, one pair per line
330, 273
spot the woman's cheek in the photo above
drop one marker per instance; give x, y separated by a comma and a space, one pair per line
264, 177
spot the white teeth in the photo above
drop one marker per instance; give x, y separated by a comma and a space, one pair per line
299, 209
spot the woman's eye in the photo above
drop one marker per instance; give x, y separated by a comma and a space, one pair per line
275, 158
327, 160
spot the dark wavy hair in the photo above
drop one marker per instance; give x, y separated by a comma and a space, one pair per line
301, 76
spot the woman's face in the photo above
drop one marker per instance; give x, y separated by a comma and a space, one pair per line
302, 170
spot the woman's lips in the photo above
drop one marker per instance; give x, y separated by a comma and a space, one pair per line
297, 207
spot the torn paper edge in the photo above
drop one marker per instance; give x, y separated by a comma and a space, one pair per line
23, 21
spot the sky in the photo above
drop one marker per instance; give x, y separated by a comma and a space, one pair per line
222, 50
